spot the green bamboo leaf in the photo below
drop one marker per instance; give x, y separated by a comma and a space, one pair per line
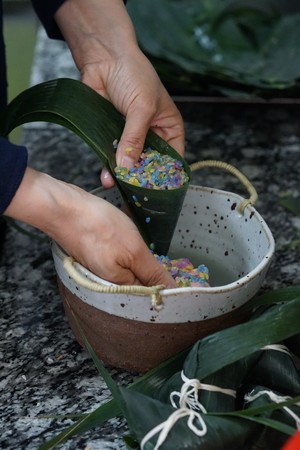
74, 105
291, 203
99, 416
131, 443
271, 368
254, 411
236, 45
111, 384
293, 344
216, 351
276, 415
144, 413
147, 384
270, 298
271, 423
276, 370
231, 376
156, 211
86, 423
212, 353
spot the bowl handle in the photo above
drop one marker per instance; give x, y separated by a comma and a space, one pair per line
152, 291
234, 171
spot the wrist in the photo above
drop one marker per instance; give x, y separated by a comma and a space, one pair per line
40, 201
95, 29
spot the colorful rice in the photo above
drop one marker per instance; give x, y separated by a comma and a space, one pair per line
184, 273
154, 171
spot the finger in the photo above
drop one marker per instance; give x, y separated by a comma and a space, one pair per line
177, 142
132, 140
106, 179
151, 272
123, 277
173, 134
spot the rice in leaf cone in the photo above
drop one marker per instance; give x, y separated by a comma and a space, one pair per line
74, 105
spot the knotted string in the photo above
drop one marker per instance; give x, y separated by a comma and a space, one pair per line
190, 406
276, 399
188, 395
165, 427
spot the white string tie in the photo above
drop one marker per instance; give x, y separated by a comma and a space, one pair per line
277, 347
165, 427
190, 406
276, 399
188, 395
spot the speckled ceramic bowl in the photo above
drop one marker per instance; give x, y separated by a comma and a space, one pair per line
126, 331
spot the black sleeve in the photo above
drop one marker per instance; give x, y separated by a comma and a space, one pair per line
13, 162
45, 10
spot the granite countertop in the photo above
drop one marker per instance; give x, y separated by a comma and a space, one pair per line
44, 371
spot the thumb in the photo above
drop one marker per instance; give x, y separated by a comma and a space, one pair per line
131, 144
151, 272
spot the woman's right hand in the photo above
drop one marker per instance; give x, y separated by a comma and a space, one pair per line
102, 40
95, 233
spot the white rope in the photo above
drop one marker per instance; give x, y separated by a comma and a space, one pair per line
165, 427
234, 171
189, 405
276, 399
154, 291
277, 347
188, 395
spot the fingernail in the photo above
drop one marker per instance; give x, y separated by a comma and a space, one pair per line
106, 175
126, 161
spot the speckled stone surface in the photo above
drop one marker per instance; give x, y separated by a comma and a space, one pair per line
43, 371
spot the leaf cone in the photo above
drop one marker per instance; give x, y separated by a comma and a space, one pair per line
74, 105
156, 211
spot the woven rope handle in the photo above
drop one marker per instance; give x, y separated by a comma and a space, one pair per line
234, 171
152, 291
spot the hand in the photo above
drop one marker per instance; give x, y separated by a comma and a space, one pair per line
103, 44
89, 229
144, 104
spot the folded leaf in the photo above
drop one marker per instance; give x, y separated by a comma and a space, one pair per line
79, 108
276, 370
227, 346
232, 352
293, 344
223, 433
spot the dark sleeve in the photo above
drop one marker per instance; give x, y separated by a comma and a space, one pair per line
45, 9
13, 162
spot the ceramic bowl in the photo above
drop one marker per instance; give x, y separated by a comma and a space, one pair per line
128, 332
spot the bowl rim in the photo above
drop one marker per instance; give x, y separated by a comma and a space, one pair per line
266, 260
